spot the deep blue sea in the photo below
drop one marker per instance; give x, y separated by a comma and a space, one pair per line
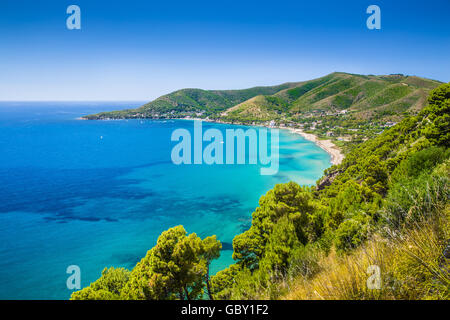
98, 193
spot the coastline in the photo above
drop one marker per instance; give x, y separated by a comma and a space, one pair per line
327, 145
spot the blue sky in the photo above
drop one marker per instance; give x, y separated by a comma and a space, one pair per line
139, 50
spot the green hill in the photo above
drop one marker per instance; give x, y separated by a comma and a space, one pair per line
370, 96
366, 97
348, 108
191, 102
259, 108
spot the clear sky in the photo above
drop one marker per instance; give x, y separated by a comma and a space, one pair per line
139, 50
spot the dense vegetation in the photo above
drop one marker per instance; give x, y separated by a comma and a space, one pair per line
387, 209
191, 102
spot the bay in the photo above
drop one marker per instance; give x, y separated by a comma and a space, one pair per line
99, 193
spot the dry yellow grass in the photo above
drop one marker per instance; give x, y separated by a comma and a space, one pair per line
412, 266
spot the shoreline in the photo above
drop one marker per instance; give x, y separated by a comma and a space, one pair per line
328, 146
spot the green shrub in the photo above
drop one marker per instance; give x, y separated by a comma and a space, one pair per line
412, 200
420, 162
108, 287
350, 234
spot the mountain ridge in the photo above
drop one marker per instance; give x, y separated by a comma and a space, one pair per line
189, 101
347, 108
338, 90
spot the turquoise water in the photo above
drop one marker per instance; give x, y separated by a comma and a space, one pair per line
98, 193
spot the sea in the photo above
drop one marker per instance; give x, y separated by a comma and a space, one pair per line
97, 194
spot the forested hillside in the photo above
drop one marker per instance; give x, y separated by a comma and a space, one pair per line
386, 211
347, 108
364, 96
191, 102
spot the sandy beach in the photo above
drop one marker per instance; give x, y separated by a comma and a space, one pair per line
327, 145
